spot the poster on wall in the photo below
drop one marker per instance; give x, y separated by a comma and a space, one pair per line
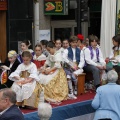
44, 35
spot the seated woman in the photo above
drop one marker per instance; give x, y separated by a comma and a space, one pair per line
39, 58
114, 58
53, 78
107, 98
10, 65
25, 84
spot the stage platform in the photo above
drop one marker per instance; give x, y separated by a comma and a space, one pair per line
79, 109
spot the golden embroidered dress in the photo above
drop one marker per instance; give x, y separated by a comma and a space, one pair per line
55, 84
26, 93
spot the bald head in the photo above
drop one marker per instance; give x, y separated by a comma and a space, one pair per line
8, 93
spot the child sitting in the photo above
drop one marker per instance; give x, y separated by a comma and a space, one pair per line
25, 84
39, 58
25, 47
44, 43
10, 65
53, 78
74, 64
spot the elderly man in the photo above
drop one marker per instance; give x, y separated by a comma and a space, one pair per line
8, 109
107, 99
44, 111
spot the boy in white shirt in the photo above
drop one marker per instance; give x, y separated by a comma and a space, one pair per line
74, 64
94, 60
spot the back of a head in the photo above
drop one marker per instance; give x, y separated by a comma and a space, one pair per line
44, 111
112, 76
8, 93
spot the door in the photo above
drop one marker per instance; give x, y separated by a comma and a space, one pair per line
63, 29
3, 47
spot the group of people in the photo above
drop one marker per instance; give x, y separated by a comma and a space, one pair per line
53, 68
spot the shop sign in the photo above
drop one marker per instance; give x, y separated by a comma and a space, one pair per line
56, 7
3, 4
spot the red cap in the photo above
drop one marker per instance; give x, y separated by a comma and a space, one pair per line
80, 37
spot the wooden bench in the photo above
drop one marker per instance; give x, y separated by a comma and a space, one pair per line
81, 84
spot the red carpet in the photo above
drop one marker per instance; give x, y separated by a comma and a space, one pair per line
81, 98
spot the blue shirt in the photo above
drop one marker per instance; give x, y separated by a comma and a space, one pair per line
107, 102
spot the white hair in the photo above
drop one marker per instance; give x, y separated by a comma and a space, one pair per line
44, 111
112, 76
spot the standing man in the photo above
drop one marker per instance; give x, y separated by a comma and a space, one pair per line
8, 109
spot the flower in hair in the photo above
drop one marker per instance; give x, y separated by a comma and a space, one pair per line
80, 37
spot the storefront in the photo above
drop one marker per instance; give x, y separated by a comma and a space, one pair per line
63, 24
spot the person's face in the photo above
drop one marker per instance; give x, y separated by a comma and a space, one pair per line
51, 50
74, 44
12, 59
65, 44
26, 60
24, 47
3, 102
94, 44
115, 43
58, 44
79, 43
38, 51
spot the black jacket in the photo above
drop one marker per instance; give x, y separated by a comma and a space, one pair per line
12, 69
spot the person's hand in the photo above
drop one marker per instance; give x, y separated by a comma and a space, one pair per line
47, 71
75, 67
112, 58
100, 67
104, 67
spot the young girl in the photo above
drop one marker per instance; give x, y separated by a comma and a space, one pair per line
25, 47
11, 65
39, 58
44, 46
25, 84
53, 79
114, 58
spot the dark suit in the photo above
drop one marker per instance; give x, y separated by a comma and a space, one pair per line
13, 113
12, 69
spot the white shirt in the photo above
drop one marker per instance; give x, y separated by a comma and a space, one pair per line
93, 61
65, 57
82, 58
3, 111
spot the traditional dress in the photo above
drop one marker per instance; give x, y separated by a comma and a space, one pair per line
26, 93
39, 61
114, 54
55, 84
20, 55
13, 67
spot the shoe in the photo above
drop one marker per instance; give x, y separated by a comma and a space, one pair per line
75, 92
71, 96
